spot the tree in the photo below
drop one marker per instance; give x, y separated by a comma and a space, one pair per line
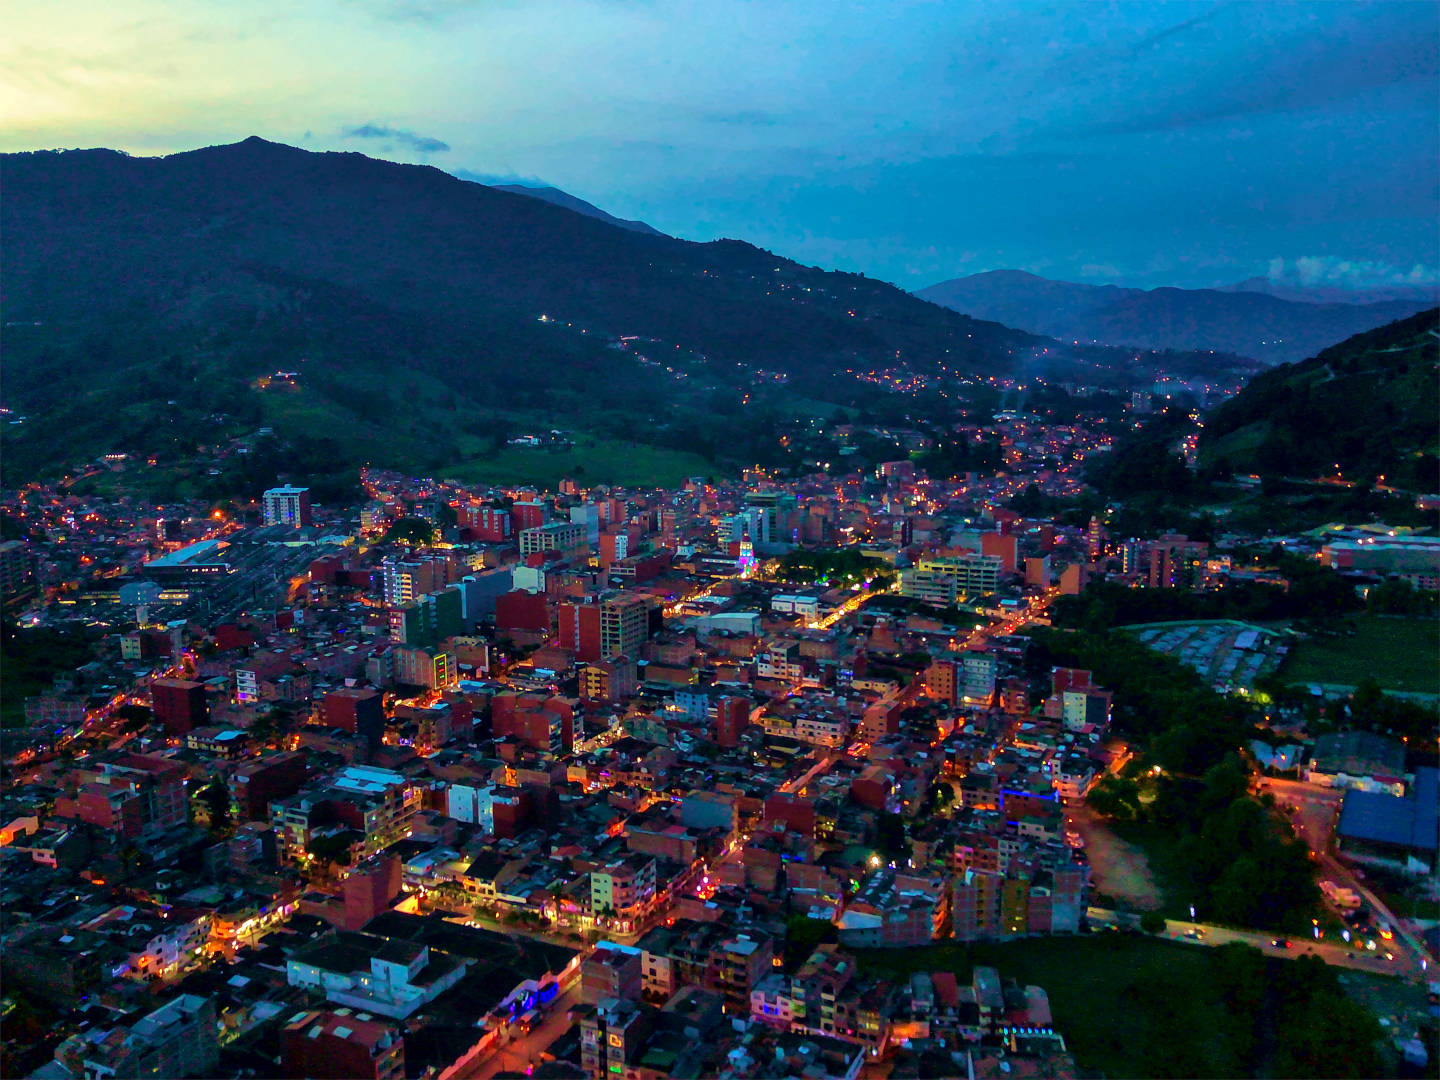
1152, 922
890, 836
217, 801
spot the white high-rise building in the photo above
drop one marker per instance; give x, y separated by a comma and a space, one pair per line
287, 506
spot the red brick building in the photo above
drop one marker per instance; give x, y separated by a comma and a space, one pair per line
521, 610
179, 704
325, 1045
256, 783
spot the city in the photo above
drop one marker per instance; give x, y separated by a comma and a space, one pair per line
681, 755
722, 541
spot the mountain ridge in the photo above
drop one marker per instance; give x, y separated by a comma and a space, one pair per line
143, 280
558, 197
1253, 324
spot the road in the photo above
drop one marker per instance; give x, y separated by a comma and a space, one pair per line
1034, 609
524, 1051
1317, 811
1336, 954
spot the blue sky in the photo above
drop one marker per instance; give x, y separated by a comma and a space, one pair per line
1145, 143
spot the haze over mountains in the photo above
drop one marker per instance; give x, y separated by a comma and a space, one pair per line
1265, 327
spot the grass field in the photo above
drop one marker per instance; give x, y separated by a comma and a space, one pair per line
1136, 1006
1094, 984
590, 461
1400, 653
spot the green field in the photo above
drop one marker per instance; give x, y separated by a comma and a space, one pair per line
1400, 653
1133, 1006
590, 461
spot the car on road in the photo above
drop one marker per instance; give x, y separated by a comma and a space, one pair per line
1281, 943
1194, 934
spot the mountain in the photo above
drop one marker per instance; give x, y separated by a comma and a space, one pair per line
1425, 295
1266, 328
1368, 405
580, 206
147, 298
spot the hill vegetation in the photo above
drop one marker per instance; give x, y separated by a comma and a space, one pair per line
426, 317
395, 314
1368, 405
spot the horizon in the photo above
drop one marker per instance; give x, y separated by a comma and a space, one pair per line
1307, 277
1188, 145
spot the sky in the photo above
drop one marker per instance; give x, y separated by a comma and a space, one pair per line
1190, 144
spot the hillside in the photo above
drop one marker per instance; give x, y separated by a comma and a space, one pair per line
572, 202
1368, 405
146, 296
1264, 327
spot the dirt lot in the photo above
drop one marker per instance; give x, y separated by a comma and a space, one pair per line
1118, 870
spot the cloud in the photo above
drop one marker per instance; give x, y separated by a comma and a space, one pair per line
1171, 31
1100, 270
1310, 270
491, 179
422, 143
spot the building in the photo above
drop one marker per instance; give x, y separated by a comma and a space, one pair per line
531, 514
944, 579
1359, 760
612, 1034
327, 1045
611, 971
611, 681
1400, 831
977, 670
179, 1039
387, 976
427, 620
547, 724
1086, 707
487, 523
374, 807
1177, 563
434, 669
624, 626
405, 580
359, 710
17, 572
623, 889
256, 784
1415, 559
178, 704
287, 506
134, 797
565, 539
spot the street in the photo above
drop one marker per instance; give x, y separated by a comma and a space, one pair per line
1336, 954
520, 1053
1315, 817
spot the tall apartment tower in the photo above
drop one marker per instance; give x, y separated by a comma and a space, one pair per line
288, 506
624, 626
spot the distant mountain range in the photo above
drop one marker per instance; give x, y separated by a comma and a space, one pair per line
1264, 327
1428, 295
1368, 405
572, 202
